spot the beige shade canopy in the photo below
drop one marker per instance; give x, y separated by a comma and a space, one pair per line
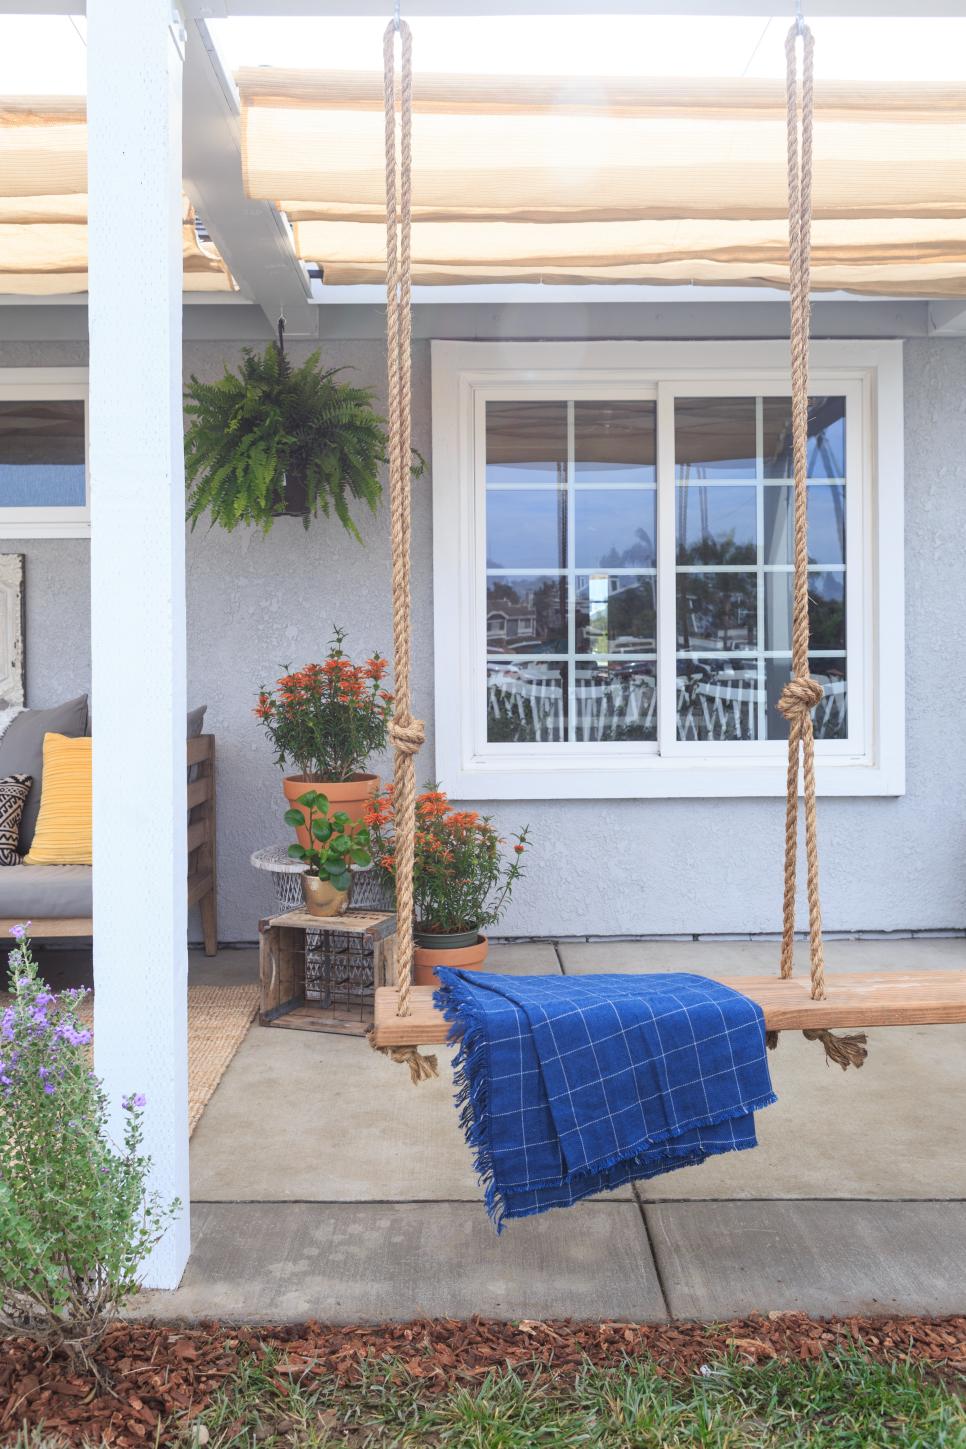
588, 180
43, 204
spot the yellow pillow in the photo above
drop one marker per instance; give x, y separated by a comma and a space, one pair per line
63, 833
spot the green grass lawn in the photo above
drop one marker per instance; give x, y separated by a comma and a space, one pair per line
842, 1402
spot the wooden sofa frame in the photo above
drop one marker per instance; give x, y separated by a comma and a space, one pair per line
202, 880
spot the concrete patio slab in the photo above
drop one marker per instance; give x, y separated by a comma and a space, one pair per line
729, 1259
306, 1117
233, 966
366, 1262
894, 1129
324, 1119
534, 958
748, 958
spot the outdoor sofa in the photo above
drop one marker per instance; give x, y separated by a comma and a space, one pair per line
57, 899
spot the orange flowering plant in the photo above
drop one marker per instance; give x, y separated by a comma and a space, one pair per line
328, 718
463, 875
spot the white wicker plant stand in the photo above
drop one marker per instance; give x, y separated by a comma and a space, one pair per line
368, 894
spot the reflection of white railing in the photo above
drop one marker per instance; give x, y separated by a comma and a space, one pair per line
724, 708
729, 706
536, 701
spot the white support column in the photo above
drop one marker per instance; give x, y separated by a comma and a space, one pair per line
138, 582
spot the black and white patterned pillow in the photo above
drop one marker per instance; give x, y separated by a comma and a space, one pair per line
14, 790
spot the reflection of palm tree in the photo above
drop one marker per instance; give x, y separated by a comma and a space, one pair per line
722, 601
826, 621
641, 553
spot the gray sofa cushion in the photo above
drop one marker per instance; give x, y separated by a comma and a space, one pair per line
30, 892
22, 753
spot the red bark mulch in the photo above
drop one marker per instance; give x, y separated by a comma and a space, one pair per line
163, 1373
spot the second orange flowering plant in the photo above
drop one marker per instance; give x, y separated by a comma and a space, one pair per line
463, 874
327, 719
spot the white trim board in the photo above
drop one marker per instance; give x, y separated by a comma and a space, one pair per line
870, 373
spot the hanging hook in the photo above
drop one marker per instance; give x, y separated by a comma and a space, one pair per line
799, 18
396, 17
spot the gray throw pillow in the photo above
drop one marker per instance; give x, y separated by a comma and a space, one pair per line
22, 751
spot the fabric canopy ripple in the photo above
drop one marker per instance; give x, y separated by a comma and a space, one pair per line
570, 179
43, 204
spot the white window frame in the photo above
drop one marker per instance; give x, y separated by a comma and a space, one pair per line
47, 384
466, 374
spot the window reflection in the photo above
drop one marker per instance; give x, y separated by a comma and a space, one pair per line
826, 524
526, 614
526, 442
826, 609
831, 713
615, 614
826, 437
716, 525
614, 442
526, 703
715, 437
526, 528
718, 699
615, 528
616, 700
42, 454
717, 610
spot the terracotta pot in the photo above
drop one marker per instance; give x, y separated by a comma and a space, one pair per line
322, 898
348, 795
463, 958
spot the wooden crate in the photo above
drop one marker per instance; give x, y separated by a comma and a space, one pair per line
289, 946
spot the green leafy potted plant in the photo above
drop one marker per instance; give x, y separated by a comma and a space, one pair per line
326, 720
274, 440
463, 877
336, 847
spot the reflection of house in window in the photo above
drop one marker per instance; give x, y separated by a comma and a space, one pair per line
511, 626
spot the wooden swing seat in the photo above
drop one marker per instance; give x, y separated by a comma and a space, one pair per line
865, 998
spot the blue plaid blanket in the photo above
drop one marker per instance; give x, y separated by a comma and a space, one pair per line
570, 1086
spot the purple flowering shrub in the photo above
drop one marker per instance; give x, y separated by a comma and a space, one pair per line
76, 1218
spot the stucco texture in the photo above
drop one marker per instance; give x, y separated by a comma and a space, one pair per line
256, 604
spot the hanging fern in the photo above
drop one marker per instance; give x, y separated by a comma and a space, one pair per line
272, 440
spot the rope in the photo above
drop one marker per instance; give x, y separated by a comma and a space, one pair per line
406, 733
803, 693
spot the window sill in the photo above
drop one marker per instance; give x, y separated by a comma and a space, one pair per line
42, 528
655, 777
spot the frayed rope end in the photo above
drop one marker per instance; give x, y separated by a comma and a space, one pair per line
844, 1051
421, 1068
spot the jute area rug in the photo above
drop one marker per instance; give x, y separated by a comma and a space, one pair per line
218, 1021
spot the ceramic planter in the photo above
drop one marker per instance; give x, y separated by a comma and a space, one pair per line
322, 898
348, 795
468, 957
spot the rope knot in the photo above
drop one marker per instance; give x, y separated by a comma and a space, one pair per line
408, 735
800, 696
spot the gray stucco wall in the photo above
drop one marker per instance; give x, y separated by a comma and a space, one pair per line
664, 866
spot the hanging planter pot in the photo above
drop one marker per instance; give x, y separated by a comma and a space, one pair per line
272, 440
295, 496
